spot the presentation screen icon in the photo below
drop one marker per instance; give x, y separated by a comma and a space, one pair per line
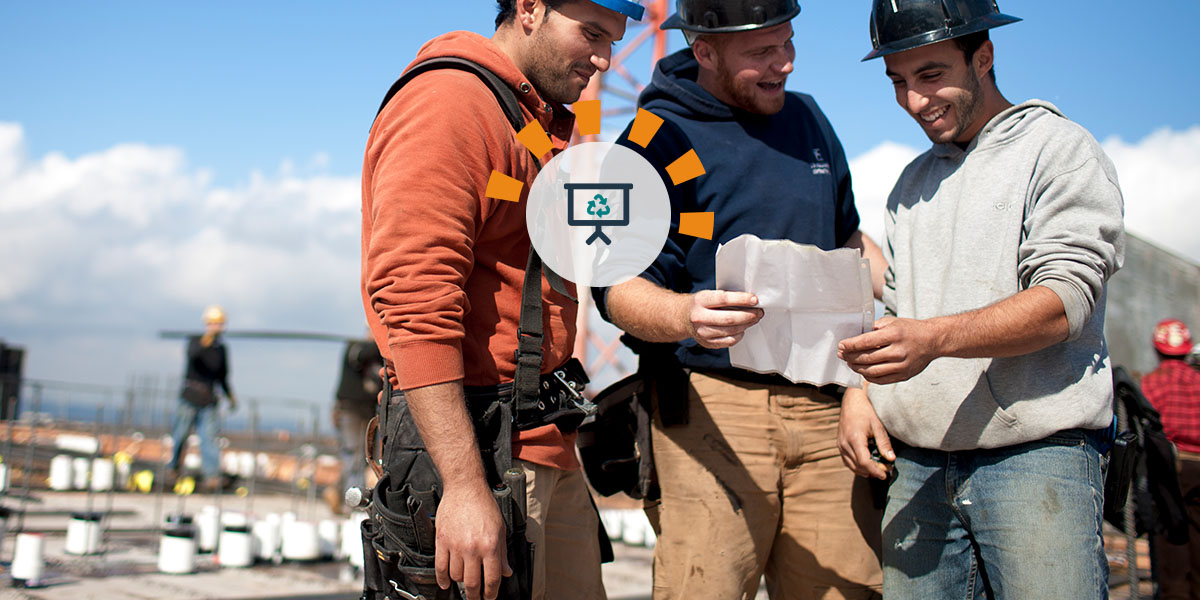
598, 205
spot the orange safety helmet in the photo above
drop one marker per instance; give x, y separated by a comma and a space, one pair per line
1171, 337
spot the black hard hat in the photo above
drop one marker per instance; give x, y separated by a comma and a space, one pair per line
898, 25
729, 16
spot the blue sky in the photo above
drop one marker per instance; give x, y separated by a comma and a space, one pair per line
158, 156
246, 85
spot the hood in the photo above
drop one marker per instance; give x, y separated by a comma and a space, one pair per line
673, 88
475, 47
1005, 127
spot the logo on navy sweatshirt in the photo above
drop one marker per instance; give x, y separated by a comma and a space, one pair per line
819, 166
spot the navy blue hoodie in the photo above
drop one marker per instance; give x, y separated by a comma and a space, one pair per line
782, 176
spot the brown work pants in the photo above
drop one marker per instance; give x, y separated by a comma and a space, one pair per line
564, 528
754, 485
1179, 566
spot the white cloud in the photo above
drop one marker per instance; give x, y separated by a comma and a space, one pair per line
874, 173
101, 251
1160, 178
1159, 175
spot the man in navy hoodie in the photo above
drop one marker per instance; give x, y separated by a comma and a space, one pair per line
751, 480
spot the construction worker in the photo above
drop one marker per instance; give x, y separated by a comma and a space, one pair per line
355, 402
443, 268
990, 370
207, 367
749, 471
1174, 390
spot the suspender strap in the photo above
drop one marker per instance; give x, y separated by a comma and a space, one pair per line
529, 338
504, 94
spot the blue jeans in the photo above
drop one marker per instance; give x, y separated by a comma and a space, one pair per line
1008, 523
352, 427
204, 419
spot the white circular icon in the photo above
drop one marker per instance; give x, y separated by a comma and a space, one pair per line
598, 214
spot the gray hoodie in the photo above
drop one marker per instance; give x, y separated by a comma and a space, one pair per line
1032, 201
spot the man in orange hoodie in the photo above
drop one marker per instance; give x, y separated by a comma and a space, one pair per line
442, 273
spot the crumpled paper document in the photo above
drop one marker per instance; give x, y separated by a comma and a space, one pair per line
811, 299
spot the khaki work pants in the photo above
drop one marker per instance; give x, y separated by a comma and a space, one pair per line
563, 526
754, 485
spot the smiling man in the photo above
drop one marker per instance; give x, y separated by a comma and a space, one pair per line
990, 371
443, 272
750, 476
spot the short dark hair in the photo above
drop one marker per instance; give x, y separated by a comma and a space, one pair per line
970, 44
507, 9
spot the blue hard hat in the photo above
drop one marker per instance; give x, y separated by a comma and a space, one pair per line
629, 8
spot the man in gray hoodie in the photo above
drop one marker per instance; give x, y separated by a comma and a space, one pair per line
990, 370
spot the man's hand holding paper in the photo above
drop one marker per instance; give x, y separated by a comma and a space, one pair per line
719, 319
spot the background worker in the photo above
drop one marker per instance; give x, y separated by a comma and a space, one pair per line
990, 371
1174, 390
355, 402
751, 479
207, 367
442, 272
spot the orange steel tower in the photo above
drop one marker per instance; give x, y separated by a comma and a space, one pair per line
618, 89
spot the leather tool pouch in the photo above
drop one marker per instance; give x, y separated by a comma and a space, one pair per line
400, 534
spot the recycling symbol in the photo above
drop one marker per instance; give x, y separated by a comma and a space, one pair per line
598, 211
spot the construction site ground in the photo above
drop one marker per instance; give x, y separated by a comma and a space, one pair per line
126, 567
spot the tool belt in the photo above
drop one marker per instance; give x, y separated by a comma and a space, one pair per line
400, 534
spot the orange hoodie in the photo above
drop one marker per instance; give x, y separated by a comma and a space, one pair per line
442, 264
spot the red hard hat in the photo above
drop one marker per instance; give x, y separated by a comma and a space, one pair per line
1171, 337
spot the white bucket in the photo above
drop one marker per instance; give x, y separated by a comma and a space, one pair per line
229, 462
103, 474
301, 542
177, 552
266, 537
29, 564
124, 471
80, 467
208, 529
192, 460
61, 473
245, 468
236, 548
633, 527
330, 534
234, 518
612, 520
352, 547
83, 534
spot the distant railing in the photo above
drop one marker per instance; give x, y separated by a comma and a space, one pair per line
147, 405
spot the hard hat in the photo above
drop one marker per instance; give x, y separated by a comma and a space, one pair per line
1171, 337
214, 314
729, 16
630, 9
898, 25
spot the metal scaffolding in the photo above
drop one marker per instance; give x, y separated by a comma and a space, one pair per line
618, 89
